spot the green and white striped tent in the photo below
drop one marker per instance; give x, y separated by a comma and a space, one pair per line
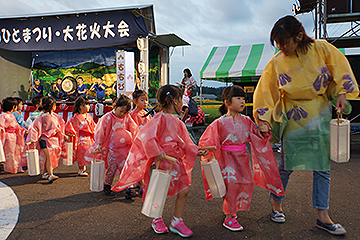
242, 62
236, 61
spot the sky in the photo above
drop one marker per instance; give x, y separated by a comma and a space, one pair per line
202, 23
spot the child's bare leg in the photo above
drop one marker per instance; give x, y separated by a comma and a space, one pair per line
180, 203
48, 167
141, 183
82, 168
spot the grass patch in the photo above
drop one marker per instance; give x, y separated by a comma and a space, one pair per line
213, 114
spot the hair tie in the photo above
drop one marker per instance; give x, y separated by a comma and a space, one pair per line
168, 93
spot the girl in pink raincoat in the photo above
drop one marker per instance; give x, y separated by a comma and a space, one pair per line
114, 134
140, 116
164, 134
12, 136
140, 100
81, 129
229, 134
47, 132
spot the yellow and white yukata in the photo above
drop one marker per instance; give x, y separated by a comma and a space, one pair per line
293, 96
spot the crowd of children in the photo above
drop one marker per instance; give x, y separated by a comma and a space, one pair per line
132, 141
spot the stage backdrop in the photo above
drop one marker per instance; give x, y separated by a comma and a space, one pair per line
90, 65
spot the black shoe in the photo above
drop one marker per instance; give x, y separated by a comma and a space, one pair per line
130, 193
335, 229
108, 191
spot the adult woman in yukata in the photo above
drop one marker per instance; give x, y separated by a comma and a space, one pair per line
293, 94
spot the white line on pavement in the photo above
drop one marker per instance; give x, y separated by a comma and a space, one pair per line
9, 210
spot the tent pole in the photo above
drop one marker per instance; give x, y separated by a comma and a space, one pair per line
201, 81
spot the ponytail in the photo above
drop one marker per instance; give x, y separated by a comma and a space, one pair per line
169, 99
223, 109
157, 108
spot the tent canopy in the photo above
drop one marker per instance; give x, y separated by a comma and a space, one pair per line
243, 62
236, 61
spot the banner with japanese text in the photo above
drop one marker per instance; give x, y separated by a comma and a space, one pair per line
92, 30
125, 66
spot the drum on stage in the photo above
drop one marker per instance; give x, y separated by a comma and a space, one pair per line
69, 85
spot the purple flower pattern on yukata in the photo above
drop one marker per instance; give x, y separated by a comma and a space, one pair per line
322, 79
297, 113
283, 79
262, 111
348, 84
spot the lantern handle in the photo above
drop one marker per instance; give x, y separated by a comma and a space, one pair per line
339, 115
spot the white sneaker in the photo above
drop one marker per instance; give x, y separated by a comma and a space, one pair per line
52, 178
45, 176
83, 173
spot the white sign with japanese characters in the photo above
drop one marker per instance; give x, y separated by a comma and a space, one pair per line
125, 65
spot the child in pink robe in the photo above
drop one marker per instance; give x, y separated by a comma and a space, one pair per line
47, 132
114, 134
229, 134
140, 116
80, 128
12, 136
163, 134
140, 100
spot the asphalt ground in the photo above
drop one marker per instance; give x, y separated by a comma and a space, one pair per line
67, 209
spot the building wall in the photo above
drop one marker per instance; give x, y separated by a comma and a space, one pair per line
14, 73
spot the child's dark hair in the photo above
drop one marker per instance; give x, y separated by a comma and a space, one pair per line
80, 101
121, 101
165, 97
139, 93
47, 103
19, 100
228, 93
37, 101
8, 104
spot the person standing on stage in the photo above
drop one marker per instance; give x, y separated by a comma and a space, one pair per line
99, 86
188, 83
37, 88
58, 92
82, 89
292, 99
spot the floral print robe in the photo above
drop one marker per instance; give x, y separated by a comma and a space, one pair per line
83, 130
12, 137
51, 127
293, 96
235, 165
164, 133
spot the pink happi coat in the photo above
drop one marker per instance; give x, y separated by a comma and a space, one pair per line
164, 133
116, 136
83, 130
235, 165
138, 117
12, 138
50, 126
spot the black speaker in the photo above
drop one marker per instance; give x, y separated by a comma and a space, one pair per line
355, 6
338, 6
306, 6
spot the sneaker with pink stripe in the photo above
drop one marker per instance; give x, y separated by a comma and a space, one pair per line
232, 224
159, 226
181, 229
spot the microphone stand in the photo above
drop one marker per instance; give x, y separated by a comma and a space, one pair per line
31, 78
